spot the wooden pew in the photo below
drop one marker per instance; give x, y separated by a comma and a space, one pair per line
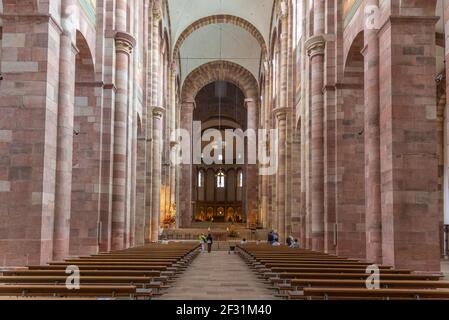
385, 294
133, 273
30, 290
299, 272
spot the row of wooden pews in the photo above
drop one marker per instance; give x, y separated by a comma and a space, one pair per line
135, 273
303, 274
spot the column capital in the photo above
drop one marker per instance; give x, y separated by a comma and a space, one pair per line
188, 103
266, 65
173, 67
283, 10
249, 101
315, 45
281, 113
158, 112
156, 12
124, 42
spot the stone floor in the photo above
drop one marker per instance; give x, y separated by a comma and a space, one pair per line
218, 276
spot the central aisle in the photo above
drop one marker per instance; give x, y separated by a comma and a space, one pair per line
218, 276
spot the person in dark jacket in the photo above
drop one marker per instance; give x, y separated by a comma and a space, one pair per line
210, 241
270, 237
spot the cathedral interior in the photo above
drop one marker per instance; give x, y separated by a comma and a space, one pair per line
325, 119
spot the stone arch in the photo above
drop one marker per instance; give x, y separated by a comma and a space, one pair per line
219, 70
216, 19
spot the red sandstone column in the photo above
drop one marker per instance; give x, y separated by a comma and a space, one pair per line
124, 44
172, 144
63, 191
410, 216
266, 127
315, 48
252, 207
158, 113
281, 120
373, 215
185, 191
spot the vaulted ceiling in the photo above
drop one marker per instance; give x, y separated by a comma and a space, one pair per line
220, 41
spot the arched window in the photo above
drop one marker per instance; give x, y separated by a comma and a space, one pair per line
220, 180
240, 179
200, 179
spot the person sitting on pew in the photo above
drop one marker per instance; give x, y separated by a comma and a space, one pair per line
270, 237
275, 236
290, 240
294, 244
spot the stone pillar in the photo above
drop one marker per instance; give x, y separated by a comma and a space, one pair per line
315, 48
185, 196
157, 114
408, 143
281, 113
281, 123
124, 44
66, 105
266, 127
252, 207
28, 133
373, 213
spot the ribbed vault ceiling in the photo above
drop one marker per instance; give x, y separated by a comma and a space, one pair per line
219, 41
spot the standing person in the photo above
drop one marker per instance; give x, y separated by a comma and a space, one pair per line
209, 243
203, 242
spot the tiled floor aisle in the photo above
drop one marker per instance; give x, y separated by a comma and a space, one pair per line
218, 276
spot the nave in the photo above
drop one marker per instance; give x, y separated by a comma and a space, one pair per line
253, 271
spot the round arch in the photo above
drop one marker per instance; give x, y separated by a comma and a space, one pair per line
216, 19
219, 70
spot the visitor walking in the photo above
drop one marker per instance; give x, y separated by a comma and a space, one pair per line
209, 243
203, 241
